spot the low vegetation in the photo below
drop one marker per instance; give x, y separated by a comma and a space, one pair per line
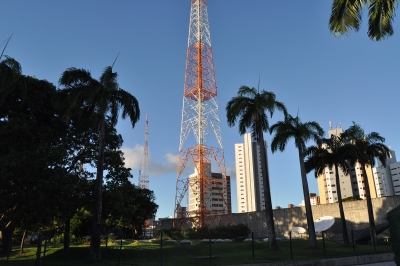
149, 253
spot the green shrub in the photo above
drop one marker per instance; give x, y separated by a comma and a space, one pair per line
59, 239
220, 231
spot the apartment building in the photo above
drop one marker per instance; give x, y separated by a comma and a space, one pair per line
314, 200
351, 185
249, 181
387, 179
216, 194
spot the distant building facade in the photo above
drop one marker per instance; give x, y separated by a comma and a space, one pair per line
217, 197
314, 200
387, 179
351, 185
249, 180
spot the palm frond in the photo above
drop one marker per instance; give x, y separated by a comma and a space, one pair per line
109, 79
10, 73
381, 14
346, 15
12, 64
249, 92
129, 105
74, 76
250, 108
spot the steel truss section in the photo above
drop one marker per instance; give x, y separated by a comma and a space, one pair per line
206, 188
200, 115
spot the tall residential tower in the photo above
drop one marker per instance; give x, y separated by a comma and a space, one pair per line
249, 182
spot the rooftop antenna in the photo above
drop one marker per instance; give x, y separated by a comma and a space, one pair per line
258, 83
115, 59
330, 124
5, 46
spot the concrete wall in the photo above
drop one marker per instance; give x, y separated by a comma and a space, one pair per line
285, 219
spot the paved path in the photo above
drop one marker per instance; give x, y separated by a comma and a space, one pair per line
387, 263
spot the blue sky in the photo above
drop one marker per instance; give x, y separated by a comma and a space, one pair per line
286, 43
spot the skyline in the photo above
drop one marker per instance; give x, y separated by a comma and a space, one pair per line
315, 74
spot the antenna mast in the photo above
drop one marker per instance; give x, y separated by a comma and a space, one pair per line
144, 173
207, 195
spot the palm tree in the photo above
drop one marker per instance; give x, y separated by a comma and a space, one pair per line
331, 153
102, 99
368, 147
250, 107
346, 15
292, 127
10, 74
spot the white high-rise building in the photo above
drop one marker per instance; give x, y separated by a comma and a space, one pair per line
387, 179
217, 197
249, 181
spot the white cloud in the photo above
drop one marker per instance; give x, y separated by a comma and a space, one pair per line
134, 157
166, 167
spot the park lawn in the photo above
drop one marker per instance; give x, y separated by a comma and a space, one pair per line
142, 253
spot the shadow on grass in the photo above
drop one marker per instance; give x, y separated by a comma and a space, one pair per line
136, 253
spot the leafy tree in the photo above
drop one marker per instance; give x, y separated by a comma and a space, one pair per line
332, 152
292, 127
97, 98
127, 206
250, 107
29, 151
346, 15
368, 147
81, 224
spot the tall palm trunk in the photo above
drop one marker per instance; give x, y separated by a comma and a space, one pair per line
341, 211
95, 254
369, 204
22, 242
7, 234
273, 245
67, 230
306, 193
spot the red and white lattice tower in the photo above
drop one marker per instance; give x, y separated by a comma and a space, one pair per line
144, 172
207, 195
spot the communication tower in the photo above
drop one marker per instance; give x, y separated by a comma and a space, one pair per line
144, 172
200, 116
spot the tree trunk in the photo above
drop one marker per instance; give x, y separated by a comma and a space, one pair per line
67, 231
369, 204
341, 211
273, 245
22, 242
306, 193
95, 254
38, 250
7, 234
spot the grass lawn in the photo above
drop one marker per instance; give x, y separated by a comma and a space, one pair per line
139, 253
